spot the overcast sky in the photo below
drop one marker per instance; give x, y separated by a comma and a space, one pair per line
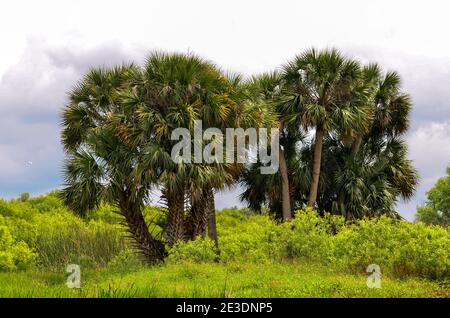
46, 46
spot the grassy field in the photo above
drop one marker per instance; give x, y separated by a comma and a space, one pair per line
294, 279
311, 256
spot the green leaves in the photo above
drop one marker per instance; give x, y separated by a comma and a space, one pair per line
316, 115
437, 208
365, 167
117, 128
118, 123
14, 254
84, 176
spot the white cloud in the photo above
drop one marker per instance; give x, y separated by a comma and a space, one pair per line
429, 149
48, 45
32, 93
248, 35
38, 83
21, 143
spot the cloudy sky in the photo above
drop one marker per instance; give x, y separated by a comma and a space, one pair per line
48, 45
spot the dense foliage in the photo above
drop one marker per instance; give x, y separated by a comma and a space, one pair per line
398, 247
437, 208
117, 129
341, 149
341, 138
42, 232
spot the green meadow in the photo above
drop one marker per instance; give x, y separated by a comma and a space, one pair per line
310, 256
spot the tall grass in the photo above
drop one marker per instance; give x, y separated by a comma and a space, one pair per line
296, 279
92, 244
59, 237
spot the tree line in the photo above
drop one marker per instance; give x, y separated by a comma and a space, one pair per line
341, 149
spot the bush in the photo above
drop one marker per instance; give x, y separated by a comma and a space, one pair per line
398, 247
244, 236
436, 209
42, 231
24, 197
401, 248
14, 255
310, 236
197, 251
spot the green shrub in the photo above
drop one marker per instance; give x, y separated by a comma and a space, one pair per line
242, 236
46, 203
402, 248
247, 237
197, 251
310, 236
24, 197
42, 231
14, 255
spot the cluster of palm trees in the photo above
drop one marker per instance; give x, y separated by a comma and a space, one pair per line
118, 123
355, 164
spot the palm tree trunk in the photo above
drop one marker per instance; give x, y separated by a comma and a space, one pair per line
175, 224
151, 248
212, 225
341, 202
199, 216
316, 166
285, 193
356, 145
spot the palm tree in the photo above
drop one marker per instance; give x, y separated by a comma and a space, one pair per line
267, 90
175, 91
264, 189
368, 184
325, 95
359, 164
381, 145
117, 130
363, 167
389, 107
103, 164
